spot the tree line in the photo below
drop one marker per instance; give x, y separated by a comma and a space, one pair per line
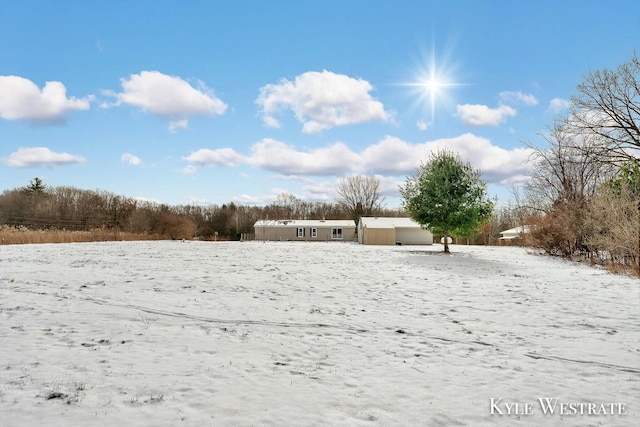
38, 206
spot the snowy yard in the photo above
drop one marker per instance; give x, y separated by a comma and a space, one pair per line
306, 334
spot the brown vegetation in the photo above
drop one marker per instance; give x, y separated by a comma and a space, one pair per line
584, 195
23, 235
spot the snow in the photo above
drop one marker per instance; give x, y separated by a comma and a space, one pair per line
389, 222
291, 334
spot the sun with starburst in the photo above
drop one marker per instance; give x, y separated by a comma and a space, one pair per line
433, 78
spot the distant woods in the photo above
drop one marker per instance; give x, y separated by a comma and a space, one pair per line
37, 206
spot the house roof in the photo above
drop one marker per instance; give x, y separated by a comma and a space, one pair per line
512, 233
294, 223
388, 222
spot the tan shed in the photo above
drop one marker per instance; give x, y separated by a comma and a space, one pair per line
392, 231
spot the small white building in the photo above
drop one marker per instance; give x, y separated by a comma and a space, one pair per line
392, 231
308, 230
516, 233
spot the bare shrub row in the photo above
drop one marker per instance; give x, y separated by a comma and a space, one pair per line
21, 235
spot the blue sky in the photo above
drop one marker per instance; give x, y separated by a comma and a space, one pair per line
216, 101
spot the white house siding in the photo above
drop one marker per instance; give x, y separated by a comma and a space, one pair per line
412, 236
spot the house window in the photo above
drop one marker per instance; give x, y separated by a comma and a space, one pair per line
336, 233
314, 232
300, 232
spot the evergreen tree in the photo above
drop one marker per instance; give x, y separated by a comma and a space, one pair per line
36, 186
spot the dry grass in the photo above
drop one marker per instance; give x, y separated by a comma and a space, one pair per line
22, 235
616, 268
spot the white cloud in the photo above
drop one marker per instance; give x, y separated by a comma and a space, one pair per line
518, 98
147, 200
40, 157
387, 158
198, 201
221, 157
481, 115
130, 159
557, 105
168, 97
188, 170
176, 125
422, 125
245, 199
497, 164
321, 100
393, 156
319, 191
21, 99
277, 156
389, 185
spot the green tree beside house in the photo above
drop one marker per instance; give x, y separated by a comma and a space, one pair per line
447, 196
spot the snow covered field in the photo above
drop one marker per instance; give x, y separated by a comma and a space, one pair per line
295, 334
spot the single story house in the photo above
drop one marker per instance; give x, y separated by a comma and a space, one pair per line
392, 231
514, 233
307, 230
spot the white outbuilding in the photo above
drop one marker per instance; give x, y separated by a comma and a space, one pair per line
392, 231
513, 234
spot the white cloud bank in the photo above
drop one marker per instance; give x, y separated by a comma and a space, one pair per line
276, 156
321, 100
221, 157
21, 99
167, 97
390, 156
40, 157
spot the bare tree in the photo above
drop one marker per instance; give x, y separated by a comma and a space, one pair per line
360, 195
288, 205
608, 106
565, 177
614, 220
567, 171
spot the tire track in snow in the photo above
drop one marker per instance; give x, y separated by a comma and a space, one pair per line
195, 317
585, 362
178, 314
317, 325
